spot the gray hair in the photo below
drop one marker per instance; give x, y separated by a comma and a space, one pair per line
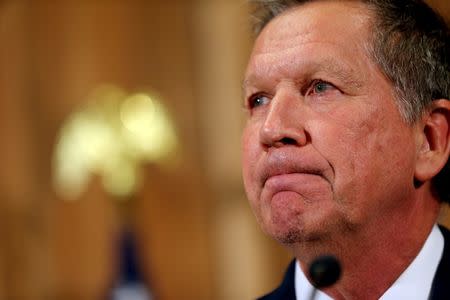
410, 44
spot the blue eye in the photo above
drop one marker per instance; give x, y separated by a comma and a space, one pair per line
258, 100
320, 87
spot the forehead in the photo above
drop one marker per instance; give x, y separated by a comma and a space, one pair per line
313, 30
331, 16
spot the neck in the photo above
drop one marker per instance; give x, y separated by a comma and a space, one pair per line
374, 258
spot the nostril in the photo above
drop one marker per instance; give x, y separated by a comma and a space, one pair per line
288, 141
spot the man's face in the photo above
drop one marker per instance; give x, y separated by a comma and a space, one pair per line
325, 150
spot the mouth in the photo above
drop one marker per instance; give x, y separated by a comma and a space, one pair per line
292, 181
278, 178
297, 187
294, 170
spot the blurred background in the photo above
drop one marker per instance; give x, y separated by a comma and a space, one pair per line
120, 152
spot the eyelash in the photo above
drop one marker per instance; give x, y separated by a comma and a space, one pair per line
252, 101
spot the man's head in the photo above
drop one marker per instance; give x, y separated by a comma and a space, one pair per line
348, 122
411, 45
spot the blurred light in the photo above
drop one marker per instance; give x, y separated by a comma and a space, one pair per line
147, 129
111, 136
137, 112
119, 177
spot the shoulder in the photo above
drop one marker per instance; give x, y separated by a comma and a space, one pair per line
286, 290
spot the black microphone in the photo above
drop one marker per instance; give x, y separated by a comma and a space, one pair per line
324, 271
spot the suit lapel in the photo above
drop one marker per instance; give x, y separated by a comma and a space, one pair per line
440, 290
286, 291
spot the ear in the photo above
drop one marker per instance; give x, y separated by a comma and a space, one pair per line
434, 145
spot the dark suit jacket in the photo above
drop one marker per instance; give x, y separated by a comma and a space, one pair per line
440, 289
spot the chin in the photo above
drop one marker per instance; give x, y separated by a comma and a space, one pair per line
303, 230
296, 236
288, 234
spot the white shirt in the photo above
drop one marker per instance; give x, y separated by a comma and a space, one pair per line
413, 284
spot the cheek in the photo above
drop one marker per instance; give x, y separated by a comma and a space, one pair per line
371, 152
249, 150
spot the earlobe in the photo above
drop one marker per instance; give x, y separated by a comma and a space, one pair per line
433, 151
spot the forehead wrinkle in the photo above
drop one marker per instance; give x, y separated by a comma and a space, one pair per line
305, 69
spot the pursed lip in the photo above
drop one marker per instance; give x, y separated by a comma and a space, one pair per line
307, 185
286, 180
292, 165
284, 176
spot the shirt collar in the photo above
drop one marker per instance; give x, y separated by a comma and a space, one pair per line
414, 283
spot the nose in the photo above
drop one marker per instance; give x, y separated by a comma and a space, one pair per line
284, 123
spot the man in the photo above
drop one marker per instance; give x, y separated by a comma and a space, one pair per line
347, 142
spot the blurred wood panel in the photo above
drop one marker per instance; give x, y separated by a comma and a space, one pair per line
57, 53
23, 238
173, 229
442, 6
